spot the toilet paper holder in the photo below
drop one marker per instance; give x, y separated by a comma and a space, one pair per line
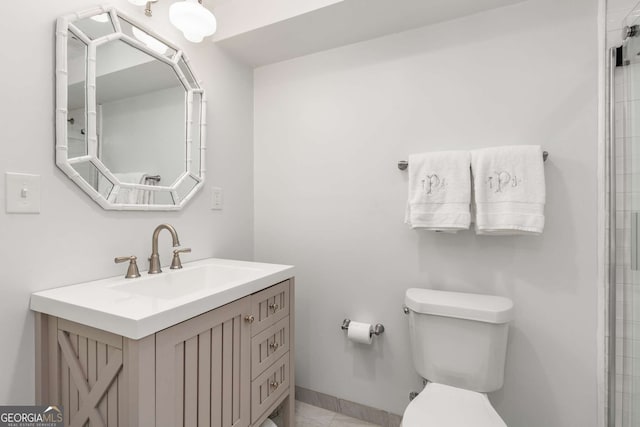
374, 330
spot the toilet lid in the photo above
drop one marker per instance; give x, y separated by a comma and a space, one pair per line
440, 405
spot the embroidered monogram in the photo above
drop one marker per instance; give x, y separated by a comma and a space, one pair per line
432, 183
501, 180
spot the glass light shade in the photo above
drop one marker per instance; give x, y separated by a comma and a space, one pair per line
151, 42
102, 18
194, 20
138, 2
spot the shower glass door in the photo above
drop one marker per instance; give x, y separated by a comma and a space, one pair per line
627, 132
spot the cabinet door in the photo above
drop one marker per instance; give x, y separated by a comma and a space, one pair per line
203, 370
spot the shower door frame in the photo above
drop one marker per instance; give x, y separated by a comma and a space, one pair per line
611, 295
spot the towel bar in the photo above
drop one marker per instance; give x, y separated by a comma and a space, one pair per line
403, 164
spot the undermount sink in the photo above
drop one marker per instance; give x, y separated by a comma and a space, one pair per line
192, 279
136, 308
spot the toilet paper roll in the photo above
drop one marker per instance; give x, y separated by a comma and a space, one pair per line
268, 423
359, 332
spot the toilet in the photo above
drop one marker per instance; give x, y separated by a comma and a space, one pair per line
459, 344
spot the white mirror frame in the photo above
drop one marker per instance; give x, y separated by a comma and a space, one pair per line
66, 165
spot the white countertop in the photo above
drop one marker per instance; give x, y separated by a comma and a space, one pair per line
136, 308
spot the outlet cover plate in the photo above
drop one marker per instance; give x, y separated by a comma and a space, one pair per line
216, 198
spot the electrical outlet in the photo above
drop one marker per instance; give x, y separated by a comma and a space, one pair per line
216, 198
22, 193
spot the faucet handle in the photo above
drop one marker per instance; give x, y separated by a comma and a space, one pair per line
132, 271
175, 262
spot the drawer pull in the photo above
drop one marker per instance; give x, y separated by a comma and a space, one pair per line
274, 346
249, 318
274, 307
274, 384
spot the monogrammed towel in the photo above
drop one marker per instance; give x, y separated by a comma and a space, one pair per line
509, 189
439, 191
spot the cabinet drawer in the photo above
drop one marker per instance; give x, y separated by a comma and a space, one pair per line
268, 346
269, 306
269, 386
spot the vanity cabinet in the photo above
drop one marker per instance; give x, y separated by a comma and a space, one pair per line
201, 369
228, 367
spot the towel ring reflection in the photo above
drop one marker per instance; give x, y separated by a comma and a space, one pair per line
403, 164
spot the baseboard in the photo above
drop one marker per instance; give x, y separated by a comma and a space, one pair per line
346, 407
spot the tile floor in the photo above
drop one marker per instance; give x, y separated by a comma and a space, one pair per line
312, 416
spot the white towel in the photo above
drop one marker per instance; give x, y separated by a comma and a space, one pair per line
439, 191
147, 197
130, 196
130, 177
509, 189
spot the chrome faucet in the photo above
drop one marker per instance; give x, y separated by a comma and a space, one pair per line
154, 260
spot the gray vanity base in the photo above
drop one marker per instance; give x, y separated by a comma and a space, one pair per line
217, 369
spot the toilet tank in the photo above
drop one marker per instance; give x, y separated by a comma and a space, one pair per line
459, 339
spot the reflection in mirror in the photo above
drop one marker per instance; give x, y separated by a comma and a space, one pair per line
76, 120
185, 187
152, 43
94, 178
136, 196
96, 26
187, 73
122, 126
164, 198
141, 108
196, 119
129, 196
149, 40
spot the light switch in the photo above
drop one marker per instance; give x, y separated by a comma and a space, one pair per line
216, 198
22, 193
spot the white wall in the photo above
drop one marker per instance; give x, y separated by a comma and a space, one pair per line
140, 125
73, 239
329, 129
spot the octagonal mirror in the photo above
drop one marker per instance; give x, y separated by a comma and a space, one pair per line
130, 113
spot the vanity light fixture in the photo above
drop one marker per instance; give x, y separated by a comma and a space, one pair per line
194, 20
146, 3
189, 16
138, 2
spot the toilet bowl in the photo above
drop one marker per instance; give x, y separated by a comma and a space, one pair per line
458, 344
440, 405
